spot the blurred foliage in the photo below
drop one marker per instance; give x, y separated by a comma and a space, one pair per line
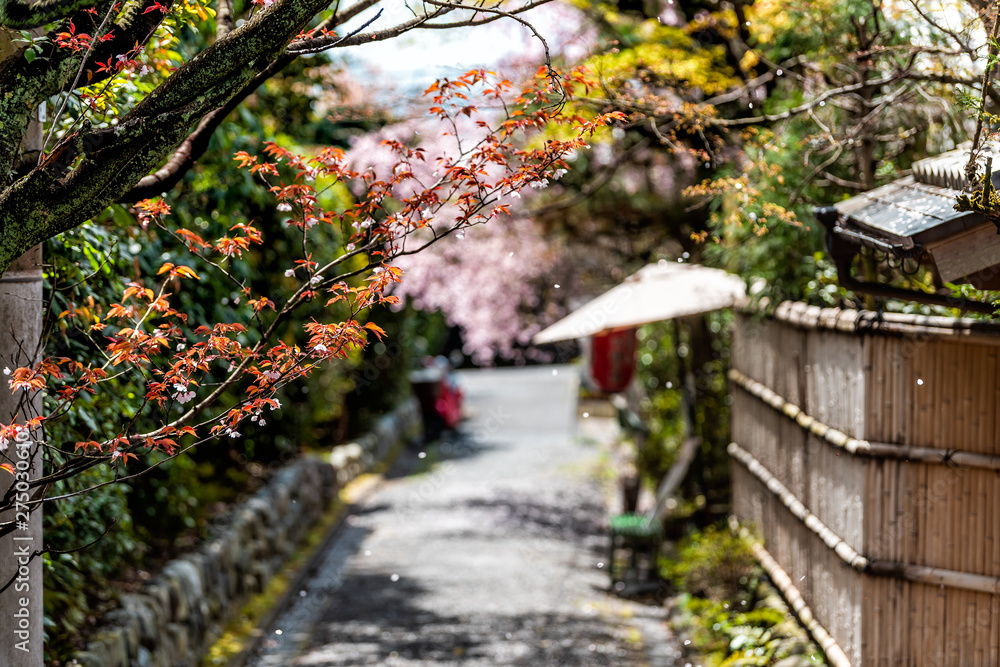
720, 610
677, 67
381, 378
703, 349
77, 583
715, 564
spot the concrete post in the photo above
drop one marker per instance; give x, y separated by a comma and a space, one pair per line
20, 332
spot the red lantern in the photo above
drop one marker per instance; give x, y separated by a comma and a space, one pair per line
612, 359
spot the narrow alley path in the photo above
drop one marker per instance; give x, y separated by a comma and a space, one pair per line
488, 551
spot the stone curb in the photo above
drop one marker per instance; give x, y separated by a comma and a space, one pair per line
179, 614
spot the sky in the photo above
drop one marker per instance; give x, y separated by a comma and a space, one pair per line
416, 59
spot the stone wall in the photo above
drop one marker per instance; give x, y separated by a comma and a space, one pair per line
179, 614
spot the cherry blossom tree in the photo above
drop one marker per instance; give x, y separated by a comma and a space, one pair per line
487, 280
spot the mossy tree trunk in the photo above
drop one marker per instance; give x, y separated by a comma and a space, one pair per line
21, 609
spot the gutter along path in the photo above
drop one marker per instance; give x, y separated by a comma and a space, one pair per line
484, 552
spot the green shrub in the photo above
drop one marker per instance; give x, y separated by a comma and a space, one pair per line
720, 610
97, 543
716, 565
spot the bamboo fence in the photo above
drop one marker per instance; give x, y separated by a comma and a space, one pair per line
867, 452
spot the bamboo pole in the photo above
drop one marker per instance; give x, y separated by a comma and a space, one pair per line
917, 625
977, 556
995, 630
843, 441
922, 573
854, 321
988, 392
893, 482
797, 508
834, 653
952, 627
936, 576
874, 622
890, 597
904, 590
976, 358
992, 539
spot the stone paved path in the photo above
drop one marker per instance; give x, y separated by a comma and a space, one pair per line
486, 552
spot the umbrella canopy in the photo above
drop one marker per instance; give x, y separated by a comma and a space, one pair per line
656, 292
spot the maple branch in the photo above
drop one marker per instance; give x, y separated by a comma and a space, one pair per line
319, 44
133, 29
296, 50
494, 14
146, 354
90, 47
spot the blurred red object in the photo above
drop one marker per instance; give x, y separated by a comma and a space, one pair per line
612, 359
439, 394
449, 402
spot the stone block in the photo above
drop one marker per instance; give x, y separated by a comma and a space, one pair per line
177, 614
89, 659
111, 645
141, 608
127, 624
144, 658
160, 595
180, 642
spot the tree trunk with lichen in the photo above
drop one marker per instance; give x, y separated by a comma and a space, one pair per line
21, 608
95, 167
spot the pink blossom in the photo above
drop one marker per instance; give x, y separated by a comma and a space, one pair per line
487, 284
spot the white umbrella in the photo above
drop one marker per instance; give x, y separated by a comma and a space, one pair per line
656, 292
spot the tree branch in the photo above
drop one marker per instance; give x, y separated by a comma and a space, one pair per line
970, 169
24, 14
494, 15
135, 27
195, 145
27, 84
96, 38
318, 44
296, 50
51, 199
802, 108
422, 22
